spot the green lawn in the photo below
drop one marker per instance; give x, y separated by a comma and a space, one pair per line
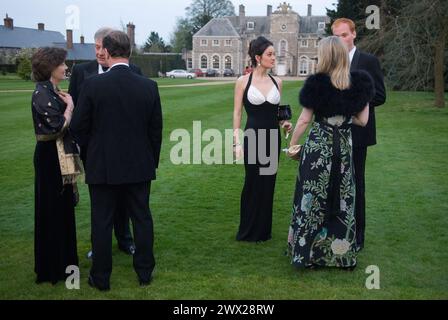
13, 82
196, 212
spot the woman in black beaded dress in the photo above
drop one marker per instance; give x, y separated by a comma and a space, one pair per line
56, 165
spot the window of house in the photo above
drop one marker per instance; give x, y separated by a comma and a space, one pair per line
228, 43
304, 43
228, 62
215, 62
283, 45
303, 67
189, 63
204, 42
216, 43
282, 51
250, 25
204, 64
321, 26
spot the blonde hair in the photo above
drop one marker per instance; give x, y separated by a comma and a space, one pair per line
333, 59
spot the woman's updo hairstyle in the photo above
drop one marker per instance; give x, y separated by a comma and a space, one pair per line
257, 47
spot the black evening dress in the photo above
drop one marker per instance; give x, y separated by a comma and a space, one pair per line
55, 234
258, 191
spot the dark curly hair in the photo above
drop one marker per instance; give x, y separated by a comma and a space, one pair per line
257, 47
45, 60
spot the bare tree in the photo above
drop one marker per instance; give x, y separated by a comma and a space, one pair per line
413, 44
202, 11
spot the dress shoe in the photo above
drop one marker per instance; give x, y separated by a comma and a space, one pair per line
130, 250
144, 283
95, 285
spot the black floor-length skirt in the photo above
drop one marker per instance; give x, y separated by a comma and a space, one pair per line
55, 230
257, 196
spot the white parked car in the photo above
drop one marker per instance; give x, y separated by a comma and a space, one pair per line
180, 74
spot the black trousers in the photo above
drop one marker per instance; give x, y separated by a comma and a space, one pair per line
359, 159
105, 201
122, 229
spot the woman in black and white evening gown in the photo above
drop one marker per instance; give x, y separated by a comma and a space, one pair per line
260, 93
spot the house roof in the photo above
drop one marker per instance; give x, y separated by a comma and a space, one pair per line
218, 27
19, 37
309, 24
79, 52
262, 25
236, 26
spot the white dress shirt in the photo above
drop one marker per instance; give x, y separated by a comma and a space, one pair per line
119, 64
352, 53
100, 69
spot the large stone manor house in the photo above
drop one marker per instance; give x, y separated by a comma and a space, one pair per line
223, 43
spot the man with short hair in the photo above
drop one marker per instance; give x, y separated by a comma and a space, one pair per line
363, 137
80, 73
119, 119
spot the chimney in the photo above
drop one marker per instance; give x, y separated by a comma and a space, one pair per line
269, 10
131, 34
242, 11
8, 22
41, 27
82, 39
309, 10
69, 39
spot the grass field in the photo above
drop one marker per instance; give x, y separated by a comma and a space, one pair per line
196, 212
12, 82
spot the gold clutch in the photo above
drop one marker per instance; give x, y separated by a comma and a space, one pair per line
294, 152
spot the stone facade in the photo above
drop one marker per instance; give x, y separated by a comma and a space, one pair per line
223, 43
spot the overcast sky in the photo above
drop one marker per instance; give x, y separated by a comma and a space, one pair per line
147, 15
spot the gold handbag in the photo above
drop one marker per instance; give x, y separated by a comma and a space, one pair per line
294, 152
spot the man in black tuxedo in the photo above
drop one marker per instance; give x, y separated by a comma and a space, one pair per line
80, 73
118, 117
363, 137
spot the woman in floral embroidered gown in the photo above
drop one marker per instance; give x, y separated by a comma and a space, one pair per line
322, 230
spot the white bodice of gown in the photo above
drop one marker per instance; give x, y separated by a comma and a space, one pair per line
255, 97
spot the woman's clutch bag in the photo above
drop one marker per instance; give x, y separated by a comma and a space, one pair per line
294, 152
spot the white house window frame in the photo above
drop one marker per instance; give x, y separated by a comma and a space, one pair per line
216, 43
250, 25
304, 43
225, 61
204, 42
213, 61
206, 61
304, 62
321, 26
228, 43
281, 56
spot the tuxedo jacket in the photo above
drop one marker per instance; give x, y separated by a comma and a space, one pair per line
81, 72
118, 118
366, 136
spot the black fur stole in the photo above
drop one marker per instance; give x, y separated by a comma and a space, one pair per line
319, 94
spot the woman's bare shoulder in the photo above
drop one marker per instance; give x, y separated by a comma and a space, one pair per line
278, 80
242, 81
